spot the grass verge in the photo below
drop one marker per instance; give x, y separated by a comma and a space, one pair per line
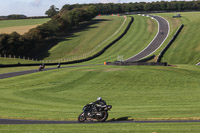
99, 128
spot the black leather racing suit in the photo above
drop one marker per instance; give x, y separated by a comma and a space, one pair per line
98, 104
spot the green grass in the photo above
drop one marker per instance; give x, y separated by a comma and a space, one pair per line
22, 22
140, 92
16, 61
84, 41
99, 128
186, 48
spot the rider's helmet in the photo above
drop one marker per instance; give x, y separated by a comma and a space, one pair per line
99, 99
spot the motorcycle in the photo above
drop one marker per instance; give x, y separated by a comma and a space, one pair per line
91, 113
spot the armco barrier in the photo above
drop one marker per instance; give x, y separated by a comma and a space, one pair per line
81, 60
169, 44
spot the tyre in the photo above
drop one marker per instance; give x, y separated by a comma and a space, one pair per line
103, 117
81, 117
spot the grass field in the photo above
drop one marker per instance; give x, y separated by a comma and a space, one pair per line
21, 26
22, 22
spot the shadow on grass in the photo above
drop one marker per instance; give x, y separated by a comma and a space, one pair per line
126, 118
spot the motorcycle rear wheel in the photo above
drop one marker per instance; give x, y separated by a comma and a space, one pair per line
81, 117
104, 116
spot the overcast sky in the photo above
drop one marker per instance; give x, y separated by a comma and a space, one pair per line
38, 7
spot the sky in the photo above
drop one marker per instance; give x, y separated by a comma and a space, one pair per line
39, 7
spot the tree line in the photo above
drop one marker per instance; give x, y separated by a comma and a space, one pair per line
40, 37
165, 6
70, 16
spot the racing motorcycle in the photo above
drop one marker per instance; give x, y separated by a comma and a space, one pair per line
91, 113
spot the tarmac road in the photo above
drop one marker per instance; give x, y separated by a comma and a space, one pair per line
10, 121
14, 74
161, 36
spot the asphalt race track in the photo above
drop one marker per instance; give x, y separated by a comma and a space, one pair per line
10, 121
161, 36
14, 74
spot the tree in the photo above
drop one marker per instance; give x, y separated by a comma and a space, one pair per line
52, 11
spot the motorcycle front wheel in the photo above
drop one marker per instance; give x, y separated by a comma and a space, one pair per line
81, 117
103, 117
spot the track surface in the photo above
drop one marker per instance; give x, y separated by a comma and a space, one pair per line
7, 121
14, 74
162, 34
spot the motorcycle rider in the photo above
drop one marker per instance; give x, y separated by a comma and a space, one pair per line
98, 104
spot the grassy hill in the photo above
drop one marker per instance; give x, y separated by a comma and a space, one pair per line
99, 32
140, 92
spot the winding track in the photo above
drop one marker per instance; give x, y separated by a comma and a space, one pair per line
162, 34
153, 46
